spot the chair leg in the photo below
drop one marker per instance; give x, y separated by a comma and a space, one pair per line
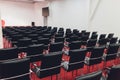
72, 75
57, 77
81, 72
50, 77
88, 69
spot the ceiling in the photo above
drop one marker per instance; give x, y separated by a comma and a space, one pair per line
26, 0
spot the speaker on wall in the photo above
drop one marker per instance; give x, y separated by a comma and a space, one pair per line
45, 11
33, 24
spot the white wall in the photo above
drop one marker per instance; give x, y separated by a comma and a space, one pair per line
1, 39
38, 12
17, 13
69, 13
107, 17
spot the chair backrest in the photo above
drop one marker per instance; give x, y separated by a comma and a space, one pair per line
113, 49
102, 36
84, 38
95, 32
35, 52
77, 55
68, 35
87, 33
33, 36
83, 31
59, 39
24, 42
113, 40
51, 64
9, 53
91, 42
60, 34
75, 45
55, 47
94, 36
46, 36
35, 49
91, 76
76, 60
44, 41
15, 69
73, 38
112, 52
110, 35
114, 73
97, 52
16, 37
102, 41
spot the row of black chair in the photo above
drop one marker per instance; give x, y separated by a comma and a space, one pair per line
75, 39
44, 35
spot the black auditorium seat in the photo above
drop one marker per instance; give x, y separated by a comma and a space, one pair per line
95, 56
102, 36
59, 39
114, 73
75, 45
35, 52
24, 42
84, 38
55, 47
113, 40
110, 35
112, 52
91, 43
102, 42
44, 41
76, 60
51, 64
8, 53
94, 36
15, 69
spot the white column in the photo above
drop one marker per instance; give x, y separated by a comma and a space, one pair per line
1, 38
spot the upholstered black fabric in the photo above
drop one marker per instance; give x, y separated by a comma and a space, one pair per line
14, 68
76, 60
44, 41
113, 40
102, 36
96, 55
24, 42
51, 64
55, 47
84, 38
75, 45
102, 41
112, 51
94, 36
110, 35
35, 52
91, 42
114, 73
9, 53
59, 39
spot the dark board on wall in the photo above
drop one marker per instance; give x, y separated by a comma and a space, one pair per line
45, 11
